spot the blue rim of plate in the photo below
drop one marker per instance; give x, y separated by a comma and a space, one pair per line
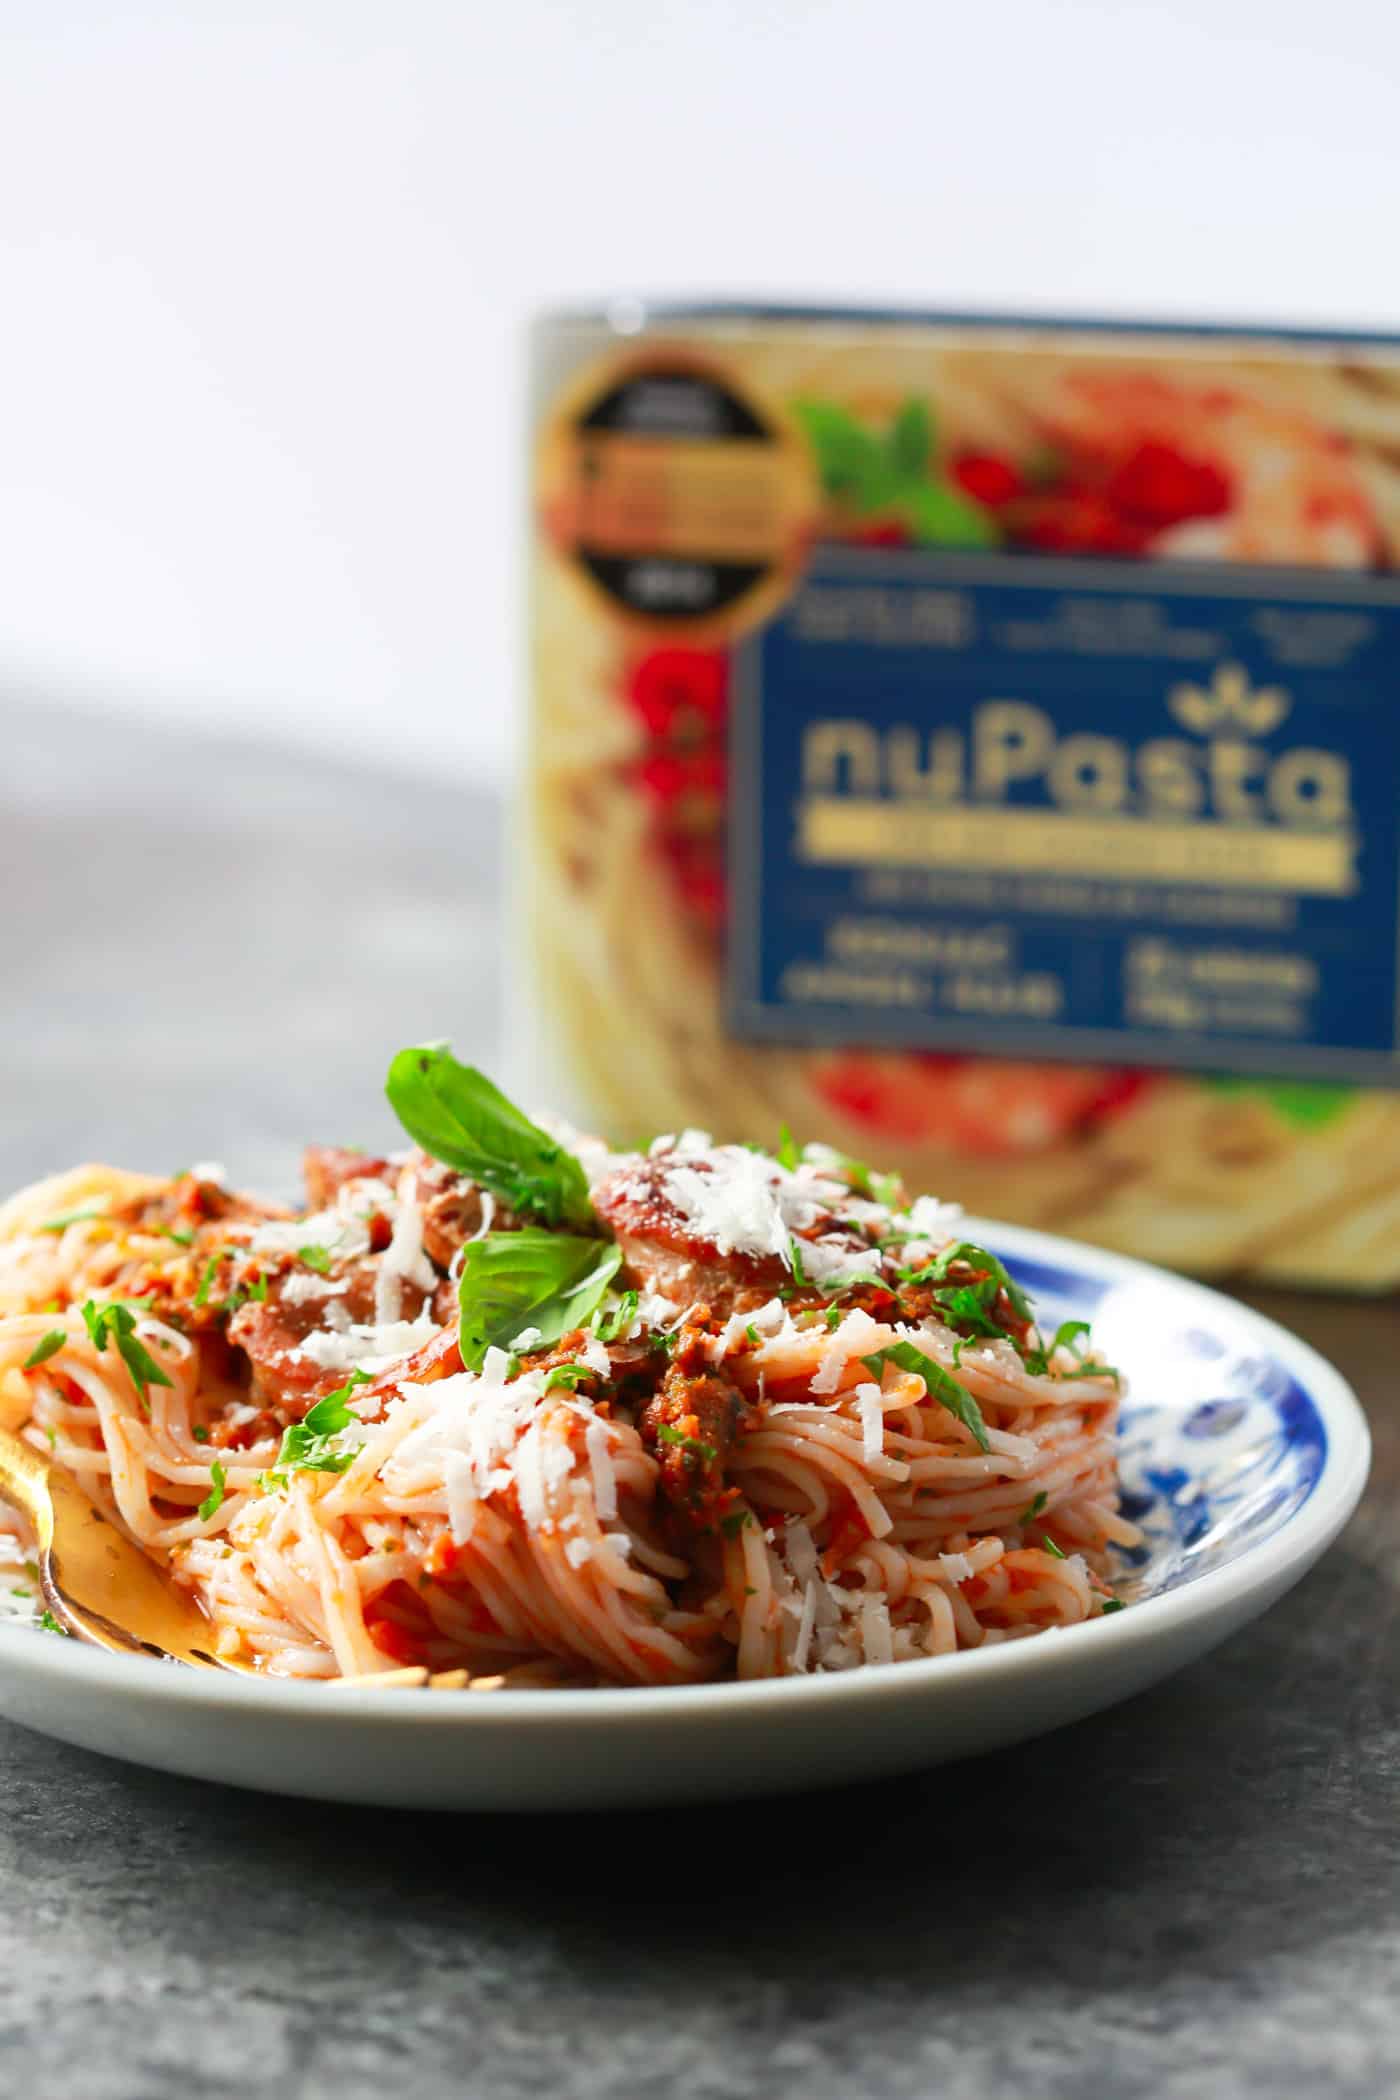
1203, 1477
1332, 1438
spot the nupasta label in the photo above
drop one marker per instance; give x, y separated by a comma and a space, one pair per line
1062, 809
977, 744
677, 495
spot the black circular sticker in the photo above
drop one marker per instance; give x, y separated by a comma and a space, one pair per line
675, 494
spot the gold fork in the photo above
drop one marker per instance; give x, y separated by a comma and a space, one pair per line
103, 1589
98, 1585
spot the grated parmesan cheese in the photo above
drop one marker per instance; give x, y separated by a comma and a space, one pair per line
460, 1484
872, 1419
304, 1285
877, 1635
732, 1202
364, 1348
857, 1335
805, 1628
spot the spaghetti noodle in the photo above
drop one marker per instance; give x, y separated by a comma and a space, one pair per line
511, 1403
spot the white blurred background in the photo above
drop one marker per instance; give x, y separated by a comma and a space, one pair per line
264, 272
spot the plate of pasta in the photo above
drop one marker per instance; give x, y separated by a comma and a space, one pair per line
687, 1471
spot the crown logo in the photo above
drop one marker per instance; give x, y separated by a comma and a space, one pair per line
1229, 702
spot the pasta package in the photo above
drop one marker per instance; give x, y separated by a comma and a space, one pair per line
977, 740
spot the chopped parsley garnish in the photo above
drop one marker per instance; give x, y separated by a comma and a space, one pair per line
73, 1217
117, 1323
200, 1433
514, 1281
787, 1154
1049, 1546
214, 1500
457, 1115
317, 1258
51, 1625
48, 1345
733, 1523
753, 1337
939, 1384
568, 1375
206, 1281
243, 1293
971, 1256
969, 1305
799, 1274
692, 1447
1066, 1334
884, 1189
612, 1323
1033, 1509
307, 1446
181, 1239
1110, 1604
834, 1317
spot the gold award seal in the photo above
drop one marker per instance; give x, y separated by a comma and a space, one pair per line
681, 500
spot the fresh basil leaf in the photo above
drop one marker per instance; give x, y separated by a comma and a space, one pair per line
938, 1383
511, 1281
939, 516
911, 439
1309, 1104
787, 1154
851, 462
456, 1114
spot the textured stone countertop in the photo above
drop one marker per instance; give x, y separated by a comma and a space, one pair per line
208, 952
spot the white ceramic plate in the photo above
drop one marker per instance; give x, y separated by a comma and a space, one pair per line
1243, 1456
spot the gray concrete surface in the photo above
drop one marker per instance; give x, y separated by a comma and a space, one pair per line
208, 952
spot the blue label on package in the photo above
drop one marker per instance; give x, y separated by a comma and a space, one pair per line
1144, 813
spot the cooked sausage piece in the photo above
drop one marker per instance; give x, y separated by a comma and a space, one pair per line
663, 1251
690, 1427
